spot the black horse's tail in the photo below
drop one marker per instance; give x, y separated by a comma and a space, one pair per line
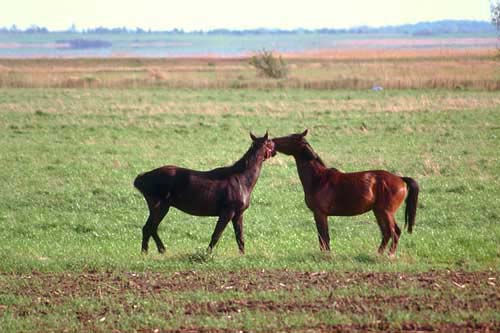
411, 202
155, 183
149, 183
139, 183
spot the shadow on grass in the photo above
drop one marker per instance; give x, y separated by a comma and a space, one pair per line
364, 258
200, 256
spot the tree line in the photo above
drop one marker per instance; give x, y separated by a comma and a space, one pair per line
422, 28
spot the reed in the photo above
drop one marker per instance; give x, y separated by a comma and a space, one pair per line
343, 69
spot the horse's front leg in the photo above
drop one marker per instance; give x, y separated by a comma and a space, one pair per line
223, 220
323, 234
238, 231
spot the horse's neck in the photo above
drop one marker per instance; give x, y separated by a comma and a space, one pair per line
252, 173
308, 171
248, 168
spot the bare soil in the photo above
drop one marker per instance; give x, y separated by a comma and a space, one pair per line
438, 291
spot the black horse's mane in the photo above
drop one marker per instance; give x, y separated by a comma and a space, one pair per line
239, 166
243, 163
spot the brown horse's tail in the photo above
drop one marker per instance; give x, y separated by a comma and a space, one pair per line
411, 202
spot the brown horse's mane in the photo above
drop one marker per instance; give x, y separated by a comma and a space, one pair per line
312, 153
314, 156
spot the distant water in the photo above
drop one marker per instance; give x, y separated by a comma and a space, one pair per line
57, 45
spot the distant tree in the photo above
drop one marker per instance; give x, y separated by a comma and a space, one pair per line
36, 29
495, 18
495, 13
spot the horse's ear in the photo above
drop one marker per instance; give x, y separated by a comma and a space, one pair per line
266, 136
303, 134
253, 136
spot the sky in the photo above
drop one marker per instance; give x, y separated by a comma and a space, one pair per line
234, 14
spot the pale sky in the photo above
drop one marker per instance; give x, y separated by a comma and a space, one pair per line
234, 14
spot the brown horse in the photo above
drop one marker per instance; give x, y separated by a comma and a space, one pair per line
224, 192
330, 192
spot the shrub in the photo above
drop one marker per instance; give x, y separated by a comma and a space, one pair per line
268, 65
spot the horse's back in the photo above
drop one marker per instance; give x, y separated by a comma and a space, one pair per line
391, 190
351, 193
158, 182
194, 192
354, 193
382, 182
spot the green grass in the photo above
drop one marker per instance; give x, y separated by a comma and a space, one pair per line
68, 159
68, 208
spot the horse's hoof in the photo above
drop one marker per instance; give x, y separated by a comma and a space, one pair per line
161, 250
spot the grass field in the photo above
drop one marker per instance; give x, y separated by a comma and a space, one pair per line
71, 220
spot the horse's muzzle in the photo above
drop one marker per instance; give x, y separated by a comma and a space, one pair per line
270, 150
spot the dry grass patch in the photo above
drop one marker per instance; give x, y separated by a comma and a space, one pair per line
431, 167
407, 103
339, 69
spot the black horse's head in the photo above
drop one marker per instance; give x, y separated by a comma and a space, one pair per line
263, 146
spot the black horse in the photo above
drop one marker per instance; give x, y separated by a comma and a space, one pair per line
224, 192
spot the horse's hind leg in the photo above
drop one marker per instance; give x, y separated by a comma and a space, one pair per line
395, 234
158, 208
389, 229
161, 214
383, 223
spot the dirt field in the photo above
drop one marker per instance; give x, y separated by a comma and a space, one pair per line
347, 294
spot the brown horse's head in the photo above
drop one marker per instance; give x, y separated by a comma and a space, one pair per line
263, 146
297, 146
292, 144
